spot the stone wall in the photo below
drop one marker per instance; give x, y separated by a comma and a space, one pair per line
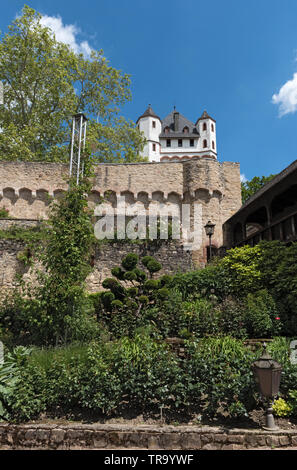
26, 188
107, 255
6, 224
125, 436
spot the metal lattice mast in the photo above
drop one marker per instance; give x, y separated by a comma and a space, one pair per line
78, 142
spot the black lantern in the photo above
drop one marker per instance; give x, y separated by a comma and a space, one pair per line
209, 230
267, 373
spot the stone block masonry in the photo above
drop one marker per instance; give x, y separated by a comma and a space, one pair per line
124, 436
26, 188
107, 256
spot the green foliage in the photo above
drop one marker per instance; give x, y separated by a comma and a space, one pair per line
281, 408
219, 376
152, 265
150, 375
292, 398
285, 288
4, 213
199, 317
56, 309
134, 374
249, 188
130, 262
242, 270
45, 83
10, 378
209, 282
261, 315
231, 315
31, 235
129, 294
140, 374
25, 257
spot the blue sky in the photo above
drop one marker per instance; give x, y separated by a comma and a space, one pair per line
234, 58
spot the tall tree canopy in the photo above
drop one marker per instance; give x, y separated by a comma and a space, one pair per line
248, 188
45, 83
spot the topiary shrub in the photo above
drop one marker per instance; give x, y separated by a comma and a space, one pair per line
129, 293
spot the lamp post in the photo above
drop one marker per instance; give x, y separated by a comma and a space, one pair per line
267, 373
209, 230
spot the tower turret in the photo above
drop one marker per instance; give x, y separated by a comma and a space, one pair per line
150, 124
207, 131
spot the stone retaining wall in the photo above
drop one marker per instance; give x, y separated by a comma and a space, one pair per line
6, 224
99, 436
170, 254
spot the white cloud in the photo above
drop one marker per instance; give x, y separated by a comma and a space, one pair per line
66, 34
286, 98
243, 179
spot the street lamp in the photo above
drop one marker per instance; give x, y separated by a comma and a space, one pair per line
209, 230
267, 373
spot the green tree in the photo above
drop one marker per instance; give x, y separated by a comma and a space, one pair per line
248, 188
45, 83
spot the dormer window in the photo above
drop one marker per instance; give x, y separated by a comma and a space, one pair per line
204, 128
166, 130
186, 130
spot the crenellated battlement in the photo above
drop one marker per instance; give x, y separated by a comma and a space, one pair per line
25, 188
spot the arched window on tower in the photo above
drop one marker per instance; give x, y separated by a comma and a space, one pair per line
204, 126
204, 143
213, 145
212, 128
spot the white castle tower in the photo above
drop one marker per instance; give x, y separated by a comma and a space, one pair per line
151, 125
176, 138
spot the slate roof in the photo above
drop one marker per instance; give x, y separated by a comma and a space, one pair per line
205, 115
149, 112
183, 122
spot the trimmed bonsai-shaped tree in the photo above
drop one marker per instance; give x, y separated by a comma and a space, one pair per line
131, 289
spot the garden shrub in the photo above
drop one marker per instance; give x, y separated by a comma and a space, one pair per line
209, 282
140, 375
130, 374
200, 317
219, 375
18, 400
149, 373
28, 320
280, 350
231, 317
281, 408
241, 268
261, 318
121, 308
285, 289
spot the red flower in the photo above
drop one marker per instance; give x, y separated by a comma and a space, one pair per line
277, 318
